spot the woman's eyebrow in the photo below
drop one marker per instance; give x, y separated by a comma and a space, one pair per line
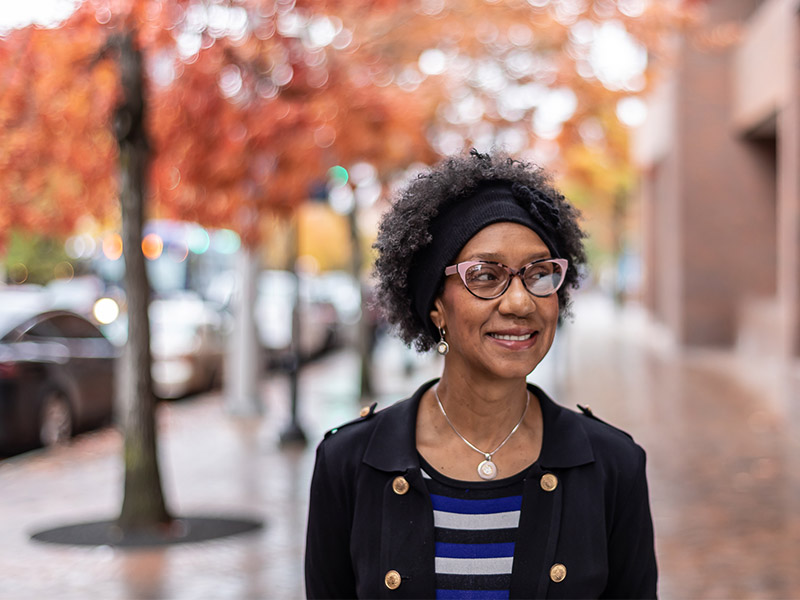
487, 256
497, 257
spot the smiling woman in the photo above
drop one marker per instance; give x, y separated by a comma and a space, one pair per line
479, 485
494, 322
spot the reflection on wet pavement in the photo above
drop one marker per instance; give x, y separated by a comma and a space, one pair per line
723, 455
723, 452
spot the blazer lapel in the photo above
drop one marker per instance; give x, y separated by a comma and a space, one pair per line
392, 447
407, 544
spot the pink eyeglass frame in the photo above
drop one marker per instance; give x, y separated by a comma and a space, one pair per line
461, 270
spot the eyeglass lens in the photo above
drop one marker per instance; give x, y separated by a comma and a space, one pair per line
488, 280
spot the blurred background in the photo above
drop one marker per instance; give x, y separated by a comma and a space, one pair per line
237, 156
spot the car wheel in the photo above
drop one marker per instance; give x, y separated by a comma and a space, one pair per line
55, 425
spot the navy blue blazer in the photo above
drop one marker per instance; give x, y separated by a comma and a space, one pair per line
589, 537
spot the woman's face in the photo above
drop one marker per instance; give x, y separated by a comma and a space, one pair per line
505, 337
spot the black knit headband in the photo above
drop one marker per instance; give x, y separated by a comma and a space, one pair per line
492, 202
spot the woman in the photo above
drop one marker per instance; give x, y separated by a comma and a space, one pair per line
479, 485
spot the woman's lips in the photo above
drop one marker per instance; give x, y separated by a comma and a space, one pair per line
515, 340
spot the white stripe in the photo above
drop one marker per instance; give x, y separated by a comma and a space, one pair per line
502, 520
424, 474
474, 566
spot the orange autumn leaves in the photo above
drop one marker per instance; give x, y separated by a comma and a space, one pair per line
240, 125
57, 152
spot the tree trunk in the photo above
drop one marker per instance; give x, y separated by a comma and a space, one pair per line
143, 505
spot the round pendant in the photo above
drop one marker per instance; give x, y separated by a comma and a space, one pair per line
487, 469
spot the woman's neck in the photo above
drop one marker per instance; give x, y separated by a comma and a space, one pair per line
482, 409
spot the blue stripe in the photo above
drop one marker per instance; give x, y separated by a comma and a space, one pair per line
446, 550
474, 594
476, 507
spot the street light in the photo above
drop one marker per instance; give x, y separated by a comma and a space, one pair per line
293, 434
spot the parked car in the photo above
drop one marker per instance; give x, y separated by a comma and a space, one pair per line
343, 291
277, 294
56, 375
187, 342
77, 294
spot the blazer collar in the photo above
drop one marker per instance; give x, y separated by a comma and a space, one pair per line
392, 446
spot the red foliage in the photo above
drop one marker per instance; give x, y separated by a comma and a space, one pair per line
239, 125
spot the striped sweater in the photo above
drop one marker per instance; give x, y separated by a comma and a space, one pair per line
475, 533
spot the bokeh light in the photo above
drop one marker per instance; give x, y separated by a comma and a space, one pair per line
152, 246
112, 246
338, 175
226, 241
432, 61
617, 59
198, 240
631, 111
342, 199
64, 270
105, 310
18, 273
178, 251
46, 13
80, 246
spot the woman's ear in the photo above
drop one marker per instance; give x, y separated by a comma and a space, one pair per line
437, 314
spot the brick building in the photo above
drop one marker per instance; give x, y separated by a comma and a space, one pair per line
720, 189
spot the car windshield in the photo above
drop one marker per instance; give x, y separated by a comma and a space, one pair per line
18, 305
11, 318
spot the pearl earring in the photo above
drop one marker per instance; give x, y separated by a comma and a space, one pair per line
442, 347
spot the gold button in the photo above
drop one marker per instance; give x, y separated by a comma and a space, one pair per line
392, 579
400, 486
558, 573
549, 482
364, 411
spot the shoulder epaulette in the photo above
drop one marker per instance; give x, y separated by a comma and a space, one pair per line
365, 414
587, 411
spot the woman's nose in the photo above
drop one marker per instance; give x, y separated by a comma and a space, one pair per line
517, 300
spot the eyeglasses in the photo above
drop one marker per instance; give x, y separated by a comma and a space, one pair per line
488, 279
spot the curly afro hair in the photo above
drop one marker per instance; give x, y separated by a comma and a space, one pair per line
405, 230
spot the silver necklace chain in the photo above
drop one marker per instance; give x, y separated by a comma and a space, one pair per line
488, 455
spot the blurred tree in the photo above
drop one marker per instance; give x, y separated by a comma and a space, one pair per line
221, 112
248, 100
57, 151
143, 502
556, 81
227, 110
32, 258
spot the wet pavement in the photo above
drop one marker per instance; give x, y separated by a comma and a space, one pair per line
722, 436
